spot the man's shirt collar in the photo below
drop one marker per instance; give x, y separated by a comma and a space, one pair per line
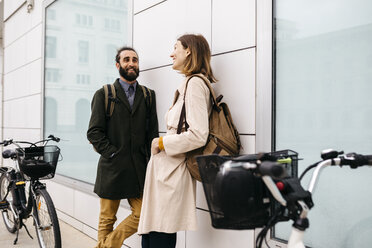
125, 85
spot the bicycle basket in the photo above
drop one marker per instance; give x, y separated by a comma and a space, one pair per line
236, 198
38, 162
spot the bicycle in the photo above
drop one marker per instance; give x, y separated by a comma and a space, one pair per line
288, 199
32, 164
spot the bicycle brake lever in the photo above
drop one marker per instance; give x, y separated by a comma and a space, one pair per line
8, 142
52, 137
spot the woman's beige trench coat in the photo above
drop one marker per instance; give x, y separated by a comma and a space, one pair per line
169, 201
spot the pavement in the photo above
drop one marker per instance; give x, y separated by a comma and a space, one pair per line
71, 237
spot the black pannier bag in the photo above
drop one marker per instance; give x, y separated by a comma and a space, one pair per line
236, 198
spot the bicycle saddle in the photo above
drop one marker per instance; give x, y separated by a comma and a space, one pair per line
9, 154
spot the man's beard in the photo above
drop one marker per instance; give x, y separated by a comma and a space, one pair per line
129, 76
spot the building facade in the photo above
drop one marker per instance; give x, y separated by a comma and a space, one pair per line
292, 79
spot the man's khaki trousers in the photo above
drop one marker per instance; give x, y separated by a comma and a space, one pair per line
109, 238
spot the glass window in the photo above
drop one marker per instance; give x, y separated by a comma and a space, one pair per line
112, 24
51, 75
71, 76
50, 47
83, 79
84, 20
110, 54
77, 19
323, 78
83, 51
109, 79
51, 15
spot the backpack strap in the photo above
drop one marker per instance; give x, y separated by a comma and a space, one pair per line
148, 101
215, 99
183, 111
147, 95
110, 98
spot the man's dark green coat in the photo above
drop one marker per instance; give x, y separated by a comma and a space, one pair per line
121, 141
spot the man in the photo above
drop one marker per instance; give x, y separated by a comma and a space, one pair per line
122, 140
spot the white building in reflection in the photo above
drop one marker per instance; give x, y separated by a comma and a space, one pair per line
81, 39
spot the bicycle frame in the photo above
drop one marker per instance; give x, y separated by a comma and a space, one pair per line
22, 207
296, 237
17, 189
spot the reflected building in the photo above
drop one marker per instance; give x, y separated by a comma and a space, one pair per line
81, 40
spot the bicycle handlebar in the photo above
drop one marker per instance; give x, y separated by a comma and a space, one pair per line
355, 160
270, 170
6, 142
11, 141
52, 137
369, 158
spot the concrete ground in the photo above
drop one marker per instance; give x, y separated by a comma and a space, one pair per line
71, 238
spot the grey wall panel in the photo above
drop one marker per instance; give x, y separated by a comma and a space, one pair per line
21, 22
155, 30
10, 6
236, 74
140, 5
164, 81
208, 237
23, 112
233, 25
248, 144
23, 81
14, 55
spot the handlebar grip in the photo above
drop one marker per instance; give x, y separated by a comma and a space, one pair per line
355, 160
54, 138
6, 142
369, 159
272, 169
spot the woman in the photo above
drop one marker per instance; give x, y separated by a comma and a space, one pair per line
169, 201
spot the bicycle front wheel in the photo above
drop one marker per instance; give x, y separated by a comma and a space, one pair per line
8, 216
46, 221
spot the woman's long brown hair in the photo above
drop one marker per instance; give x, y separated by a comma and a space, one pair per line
199, 60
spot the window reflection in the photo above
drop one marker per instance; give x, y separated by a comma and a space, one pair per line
50, 47
83, 51
79, 59
51, 75
322, 101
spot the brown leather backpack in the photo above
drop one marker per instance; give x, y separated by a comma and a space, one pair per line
223, 138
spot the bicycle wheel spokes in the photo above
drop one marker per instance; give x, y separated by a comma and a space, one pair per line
47, 230
8, 216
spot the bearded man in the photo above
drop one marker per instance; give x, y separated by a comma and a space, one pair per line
121, 139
